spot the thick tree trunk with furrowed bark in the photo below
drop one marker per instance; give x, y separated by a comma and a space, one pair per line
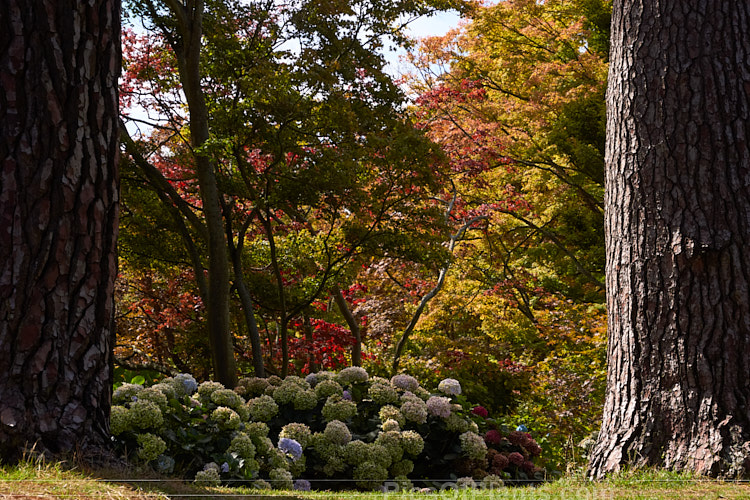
59, 64
678, 247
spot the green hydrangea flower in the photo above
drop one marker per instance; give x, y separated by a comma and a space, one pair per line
167, 389
391, 441
261, 484
244, 412
263, 445
337, 408
383, 394
379, 454
242, 445
298, 467
352, 375
355, 452
275, 380
415, 410
325, 375
208, 476
402, 468
156, 396
226, 418
456, 423
207, 388
297, 431
257, 429
285, 393
276, 459
145, 414
119, 420
369, 475
227, 397
150, 446
298, 381
466, 483
325, 448
404, 483
126, 393
473, 445
412, 443
263, 408
337, 432
305, 400
334, 465
251, 386
326, 388
281, 479
390, 412
492, 482
422, 393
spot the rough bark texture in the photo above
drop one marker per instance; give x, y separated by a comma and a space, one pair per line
59, 63
678, 229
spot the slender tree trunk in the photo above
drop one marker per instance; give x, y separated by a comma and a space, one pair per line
282, 325
353, 325
59, 64
310, 339
678, 233
187, 46
248, 308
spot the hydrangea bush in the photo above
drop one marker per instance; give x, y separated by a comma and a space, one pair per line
338, 427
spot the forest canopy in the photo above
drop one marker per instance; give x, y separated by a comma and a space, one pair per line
446, 222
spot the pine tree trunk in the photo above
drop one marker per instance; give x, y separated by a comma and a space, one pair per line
59, 64
678, 238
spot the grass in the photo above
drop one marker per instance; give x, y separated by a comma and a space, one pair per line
43, 481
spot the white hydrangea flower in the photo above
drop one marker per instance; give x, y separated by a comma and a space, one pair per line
390, 425
439, 406
184, 384
450, 386
405, 382
352, 375
416, 411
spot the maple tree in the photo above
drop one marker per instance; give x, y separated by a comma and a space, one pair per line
516, 99
313, 161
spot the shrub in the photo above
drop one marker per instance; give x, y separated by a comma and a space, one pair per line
312, 429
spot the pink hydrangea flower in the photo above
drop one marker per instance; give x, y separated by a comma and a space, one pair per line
493, 437
516, 458
480, 411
